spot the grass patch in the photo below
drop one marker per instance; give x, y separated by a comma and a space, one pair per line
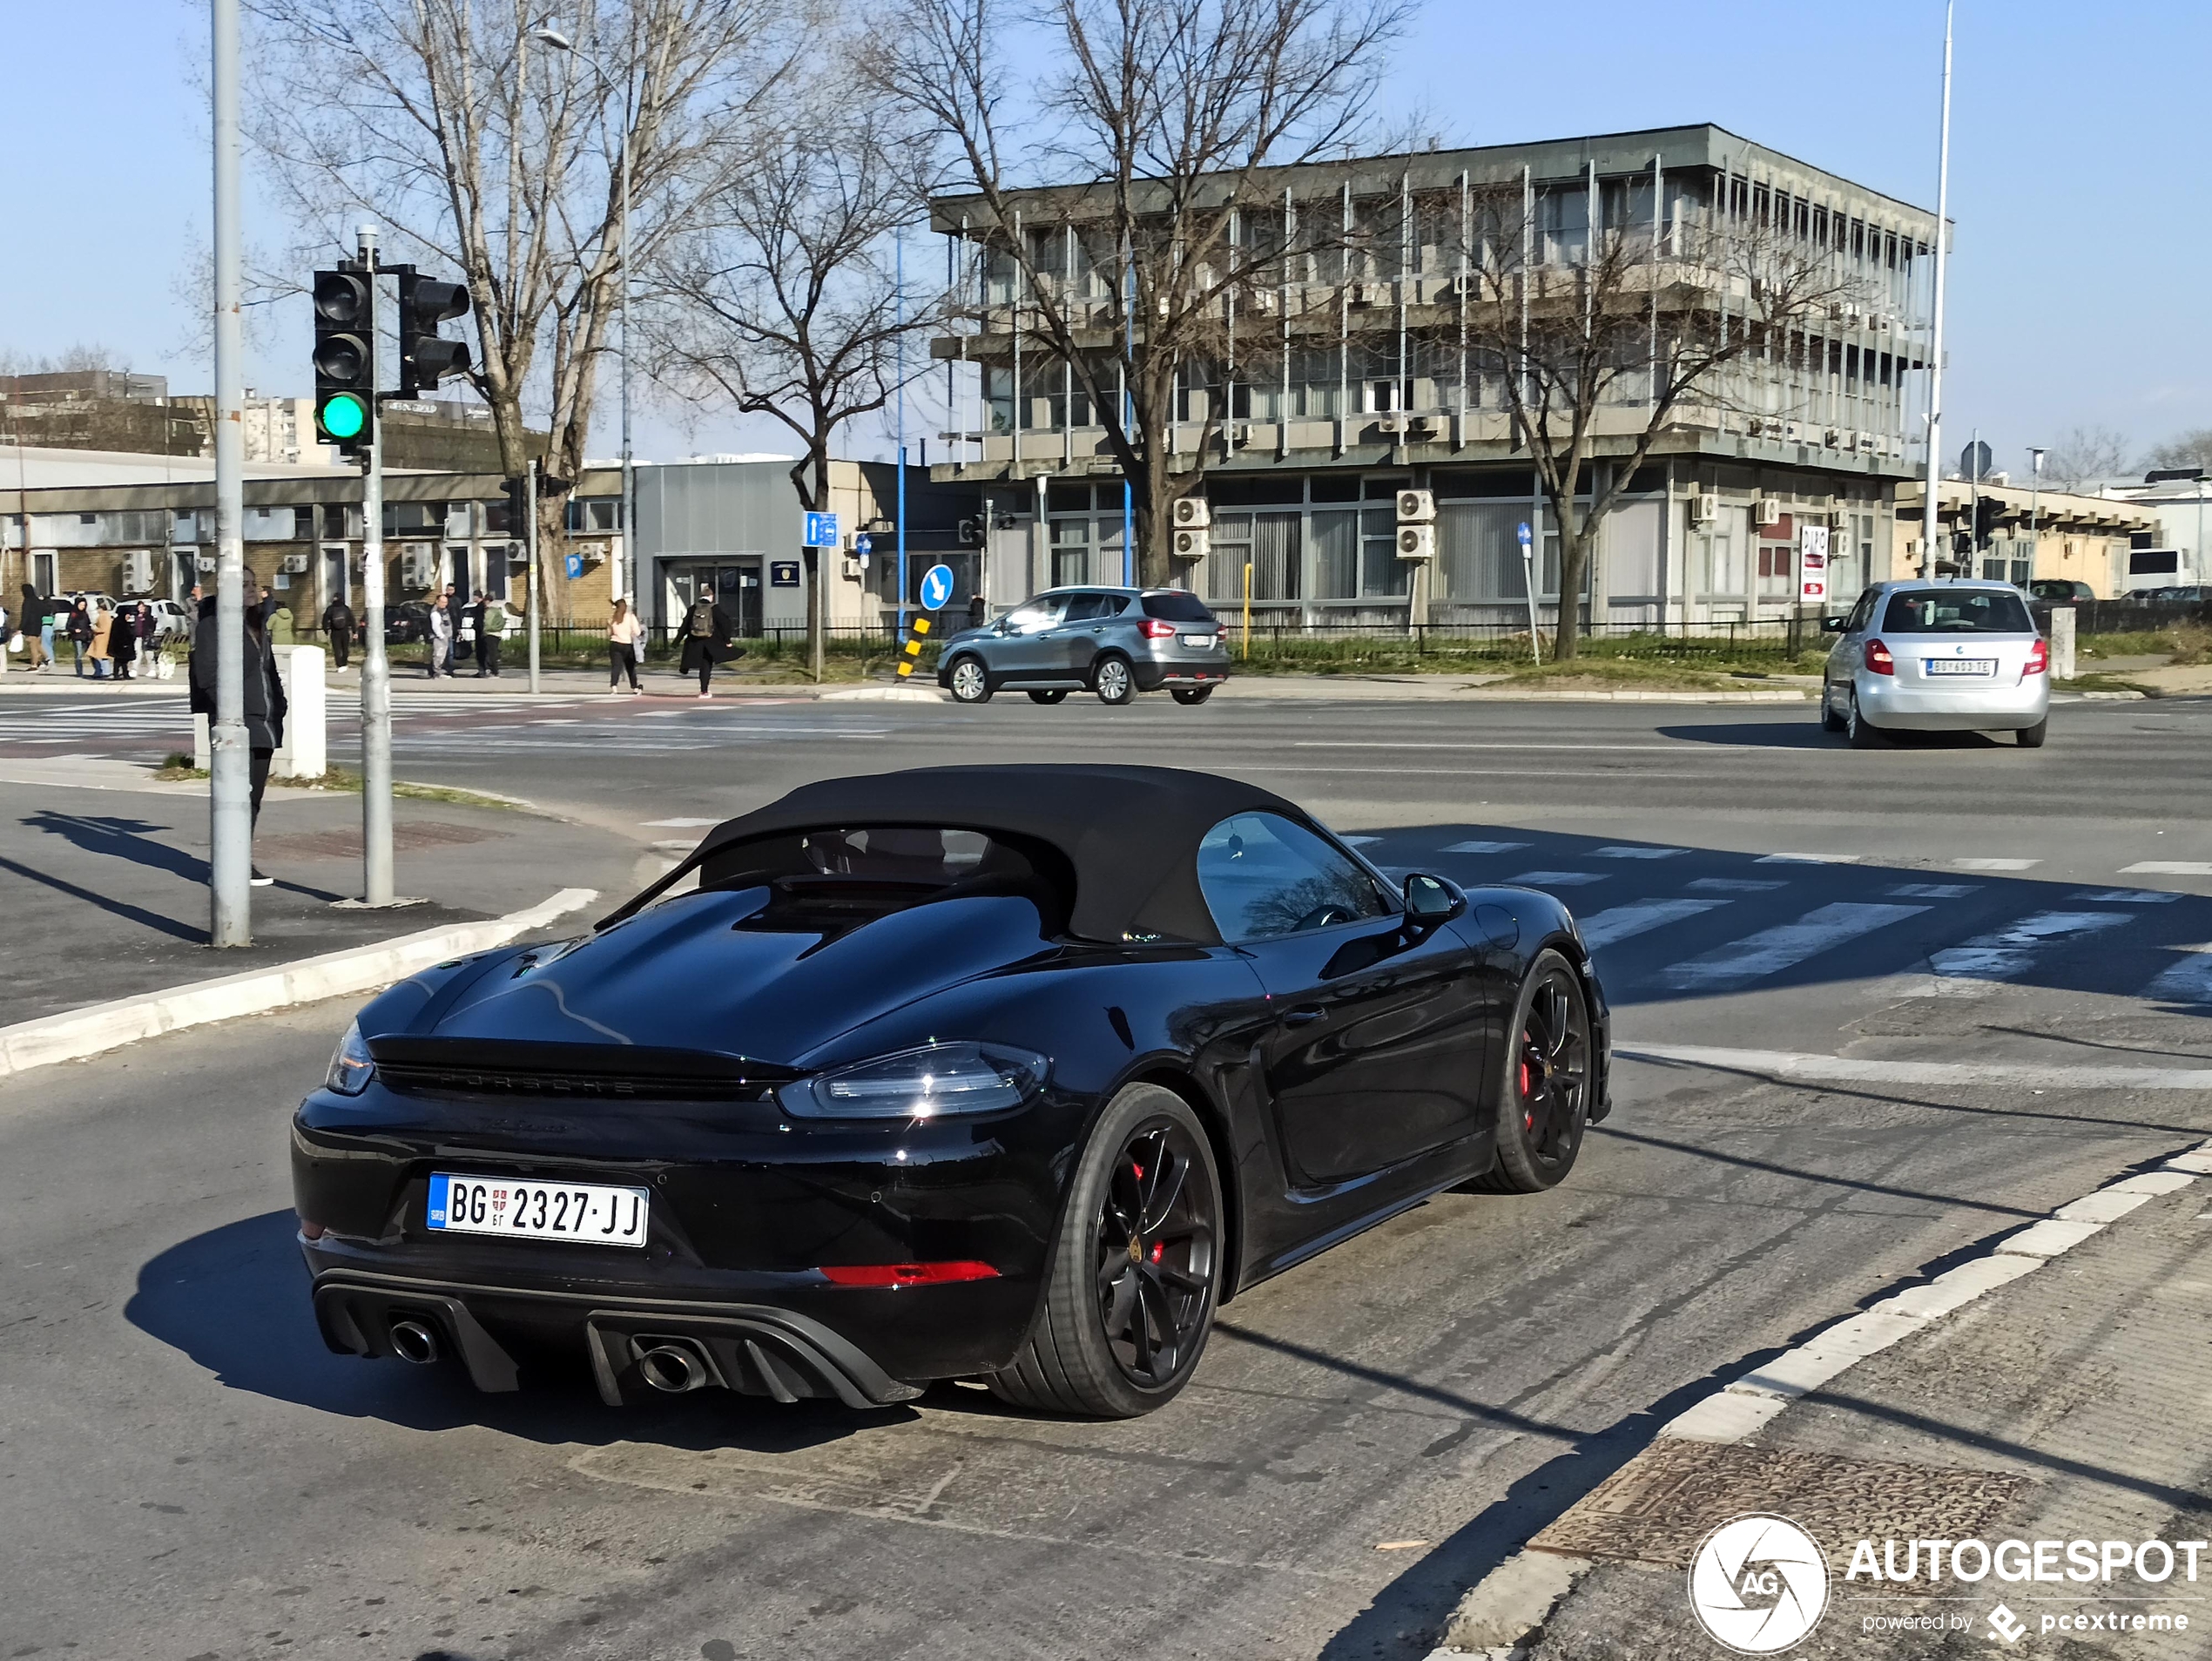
2104, 684
2185, 645
1645, 660
178, 769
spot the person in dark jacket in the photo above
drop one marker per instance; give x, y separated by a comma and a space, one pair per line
80, 629
122, 639
37, 634
265, 702
707, 629
338, 624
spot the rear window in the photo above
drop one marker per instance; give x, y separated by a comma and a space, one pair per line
839, 876
1966, 610
2155, 561
1173, 605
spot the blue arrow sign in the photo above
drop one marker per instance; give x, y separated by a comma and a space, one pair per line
862, 545
1524, 533
936, 587
821, 530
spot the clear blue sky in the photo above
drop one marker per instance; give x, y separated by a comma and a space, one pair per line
2078, 185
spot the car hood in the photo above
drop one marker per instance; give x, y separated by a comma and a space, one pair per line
698, 973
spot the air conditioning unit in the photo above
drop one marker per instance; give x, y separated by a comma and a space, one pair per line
1768, 512
204, 564
418, 565
1704, 508
1754, 427
518, 553
1192, 513
1832, 437
1191, 543
137, 571
1429, 426
1416, 541
296, 564
1236, 434
1416, 507
849, 568
1391, 424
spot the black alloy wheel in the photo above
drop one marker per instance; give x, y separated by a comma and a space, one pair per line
1544, 1098
1111, 680
970, 684
1136, 1269
1191, 694
1051, 697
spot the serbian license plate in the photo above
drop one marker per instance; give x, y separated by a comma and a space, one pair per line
593, 1213
1198, 639
1960, 665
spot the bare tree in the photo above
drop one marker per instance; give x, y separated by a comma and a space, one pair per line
1167, 115
785, 299
2184, 450
2085, 455
1605, 338
482, 149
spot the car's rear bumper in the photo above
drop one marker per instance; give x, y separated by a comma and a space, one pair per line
1886, 703
1153, 673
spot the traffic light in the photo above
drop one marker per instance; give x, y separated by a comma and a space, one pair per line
1987, 508
425, 358
518, 507
345, 360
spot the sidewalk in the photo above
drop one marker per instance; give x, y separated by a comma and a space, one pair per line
2068, 1404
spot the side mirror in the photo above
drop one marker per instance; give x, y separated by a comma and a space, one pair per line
1431, 900
1832, 625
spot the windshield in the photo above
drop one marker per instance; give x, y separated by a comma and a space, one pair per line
1961, 610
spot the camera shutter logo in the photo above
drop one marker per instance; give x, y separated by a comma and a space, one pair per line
1759, 1584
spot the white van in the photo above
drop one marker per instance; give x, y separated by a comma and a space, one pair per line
2150, 568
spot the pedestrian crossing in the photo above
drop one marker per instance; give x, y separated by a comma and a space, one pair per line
1666, 923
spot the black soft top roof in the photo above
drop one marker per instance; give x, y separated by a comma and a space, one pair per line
1130, 834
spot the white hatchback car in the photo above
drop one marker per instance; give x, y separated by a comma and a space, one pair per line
1941, 656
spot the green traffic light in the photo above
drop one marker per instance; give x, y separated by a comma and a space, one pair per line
344, 417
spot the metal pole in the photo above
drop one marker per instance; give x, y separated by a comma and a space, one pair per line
2034, 501
983, 538
376, 663
230, 786
530, 534
1929, 517
629, 488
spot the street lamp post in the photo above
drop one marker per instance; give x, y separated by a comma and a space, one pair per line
560, 42
2034, 501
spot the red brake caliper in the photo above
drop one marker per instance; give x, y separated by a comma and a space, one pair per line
1528, 1115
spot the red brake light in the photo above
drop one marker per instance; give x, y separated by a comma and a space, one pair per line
1879, 661
905, 1274
1156, 628
2039, 659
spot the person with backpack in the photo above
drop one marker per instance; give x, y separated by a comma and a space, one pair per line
707, 629
338, 626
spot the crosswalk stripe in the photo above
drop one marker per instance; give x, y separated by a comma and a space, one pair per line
1484, 847
1622, 922
1997, 865
1626, 852
2167, 867
1934, 890
1772, 950
1737, 884
2125, 896
1808, 859
2002, 953
1556, 879
2189, 981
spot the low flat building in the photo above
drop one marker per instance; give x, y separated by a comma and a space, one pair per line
2036, 534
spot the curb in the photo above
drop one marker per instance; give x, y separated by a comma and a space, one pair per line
358, 968
1500, 1613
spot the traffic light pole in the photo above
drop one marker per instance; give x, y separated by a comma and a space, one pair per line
529, 521
376, 663
230, 784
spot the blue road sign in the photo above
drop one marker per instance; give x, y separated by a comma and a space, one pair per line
821, 530
936, 587
862, 547
576, 566
1524, 533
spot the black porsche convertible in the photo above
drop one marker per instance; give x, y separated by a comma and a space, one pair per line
1013, 1073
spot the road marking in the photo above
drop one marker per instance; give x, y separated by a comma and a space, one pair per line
2186, 981
1808, 859
678, 824
1471, 744
2004, 953
1737, 884
1622, 922
1772, 950
2125, 896
1932, 890
1997, 865
1484, 847
1358, 841
2167, 867
1625, 851
1556, 879
1871, 1069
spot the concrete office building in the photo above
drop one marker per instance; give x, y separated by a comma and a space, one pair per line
1353, 388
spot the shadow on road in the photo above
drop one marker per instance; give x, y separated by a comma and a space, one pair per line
235, 1300
1808, 735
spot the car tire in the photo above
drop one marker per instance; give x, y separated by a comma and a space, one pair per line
1543, 1087
1051, 697
969, 682
1865, 735
1830, 721
1110, 1287
1112, 680
1191, 694
2031, 738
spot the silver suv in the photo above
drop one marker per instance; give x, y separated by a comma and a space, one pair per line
1116, 642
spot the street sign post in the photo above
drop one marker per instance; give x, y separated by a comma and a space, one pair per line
1528, 584
862, 547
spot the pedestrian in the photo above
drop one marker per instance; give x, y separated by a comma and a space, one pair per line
38, 623
452, 598
264, 703
146, 627
98, 650
338, 625
122, 639
472, 620
80, 632
491, 634
276, 620
438, 631
625, 633
706, 641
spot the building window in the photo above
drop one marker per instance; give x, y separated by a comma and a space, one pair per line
1716, 569
1777, 574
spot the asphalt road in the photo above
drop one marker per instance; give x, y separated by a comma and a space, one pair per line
184, 1471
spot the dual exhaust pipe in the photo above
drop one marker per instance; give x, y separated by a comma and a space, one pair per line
672, 1366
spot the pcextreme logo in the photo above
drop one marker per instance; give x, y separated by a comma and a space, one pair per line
1759, 1584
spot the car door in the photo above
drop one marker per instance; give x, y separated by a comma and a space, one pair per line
1021, 648
1075, 641
1844, 656
1377, 1049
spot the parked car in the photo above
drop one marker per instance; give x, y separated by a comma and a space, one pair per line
406, 623
1115, 642
170, 621
921, 1076
1936, 657
2061, 590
